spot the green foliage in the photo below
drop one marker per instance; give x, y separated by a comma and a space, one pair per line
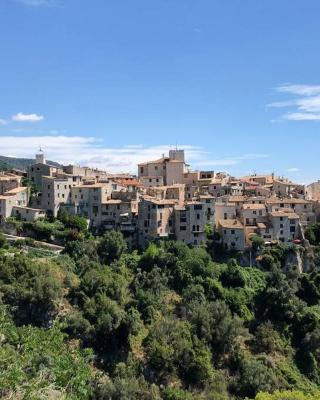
257, 242
30, 185
168, 323
35, 361
72, 221
111, 246
312, 233
288, 395
3, 241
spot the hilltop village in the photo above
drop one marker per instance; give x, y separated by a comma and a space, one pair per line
165, 200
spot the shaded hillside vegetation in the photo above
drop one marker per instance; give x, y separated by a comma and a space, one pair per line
22, 164
103, 322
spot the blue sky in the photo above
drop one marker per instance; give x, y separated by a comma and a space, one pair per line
113, 82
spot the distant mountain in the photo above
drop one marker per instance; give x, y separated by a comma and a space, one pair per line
19, 163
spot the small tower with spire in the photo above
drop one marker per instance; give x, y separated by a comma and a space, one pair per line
40, 158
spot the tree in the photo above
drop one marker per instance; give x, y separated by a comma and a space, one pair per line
312, 233
39, 363
213, 322
288, 395
3, 241
111, 246
257, 242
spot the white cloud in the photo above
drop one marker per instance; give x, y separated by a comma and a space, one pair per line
20, 117
304, 107
229, 161
301, 117
92, 152
301, 90
293, 169
3, 122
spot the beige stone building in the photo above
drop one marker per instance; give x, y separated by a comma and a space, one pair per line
56, 192
9, 181
168, 170
303, 208
285, 225
156, 219
40, 169
313, 191
14, 197
224, 211
190, 222
285, 188
232, 234
27, 213
254, 213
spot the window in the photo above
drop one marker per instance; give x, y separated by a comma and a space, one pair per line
292, 229
198, 216
281, 218
233, 232
156, 168
225, 216
141, 170
183, 228
281, 225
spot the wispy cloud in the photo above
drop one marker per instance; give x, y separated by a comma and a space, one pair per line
20, 117
293, 169
301, 90
229, 161
92, 152
40, 3
3, 121
305, 106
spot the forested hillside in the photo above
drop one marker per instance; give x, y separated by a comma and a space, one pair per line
104, 322
18, 163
